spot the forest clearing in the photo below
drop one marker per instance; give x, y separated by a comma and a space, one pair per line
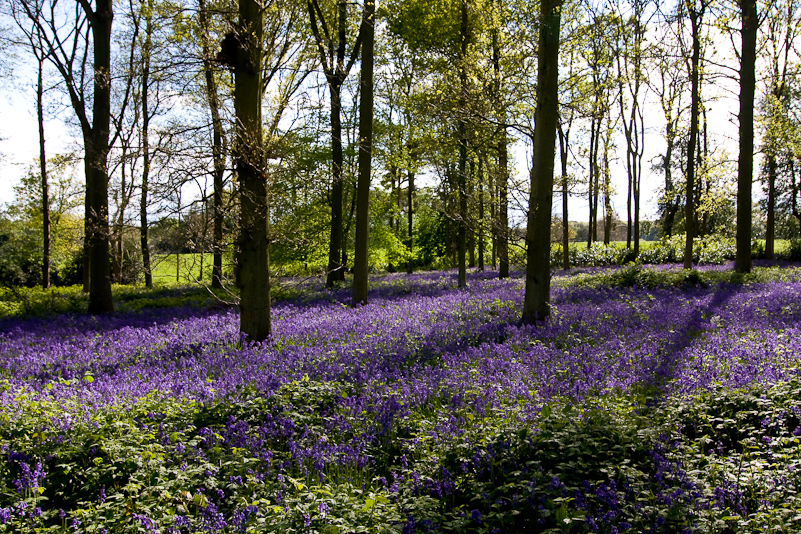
651, 400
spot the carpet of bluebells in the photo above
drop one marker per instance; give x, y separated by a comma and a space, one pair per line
651, 400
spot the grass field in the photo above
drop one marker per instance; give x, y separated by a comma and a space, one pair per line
183, 269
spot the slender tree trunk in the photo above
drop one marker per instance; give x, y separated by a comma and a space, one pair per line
639, 134
143, 201
471, 231
494, 218
770, 223
409, 214
591, 184
461, 244
480, 215
670, 189
689, 213
218, 149
563, 152
607, 190
45, 185
97, 148
503, 207
116, 257
336, 71
537, 299
500, 242
335, 270
745, 167
360, 262
254, 235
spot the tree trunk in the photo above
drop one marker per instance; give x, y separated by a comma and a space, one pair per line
607, 190
745, 167
249, 154
471, 231
461, 244
500, 243
563, 152
503, 207
480, 215
335, 270
409, 213
689, 209
45, 185
536, 302
360, 262
143, 202
218, 148
336, 71
97, 148
770, 223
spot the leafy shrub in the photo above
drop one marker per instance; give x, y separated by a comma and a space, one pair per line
706, 250
793, 252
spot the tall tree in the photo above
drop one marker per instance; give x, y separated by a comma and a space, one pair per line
537, 299
783, 25
502, 174
695, 13
249, 158
745, 162
332, 50
461, 132
630, 76
147, 47
66, 36
360, 265
669, 85
219, 144
43, 170
38, 49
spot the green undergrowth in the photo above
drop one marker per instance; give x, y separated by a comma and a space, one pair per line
639, 276
722, 461
38, 302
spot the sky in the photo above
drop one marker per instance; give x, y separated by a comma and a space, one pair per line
19, 135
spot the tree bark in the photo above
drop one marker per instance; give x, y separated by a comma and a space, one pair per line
745, 166
97, 148
143, 200
564, 138
43, 172
537, 299
360, 261
218, 149
249, 154
501, 233
689, 208
410, 214
336, 272
461, 244
770, 223
503, 207
480, 214
607, 187
471, 230
336, 71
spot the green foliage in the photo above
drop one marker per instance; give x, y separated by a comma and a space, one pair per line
711, 249
165, 458
637, 276
21, 250
37, 302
